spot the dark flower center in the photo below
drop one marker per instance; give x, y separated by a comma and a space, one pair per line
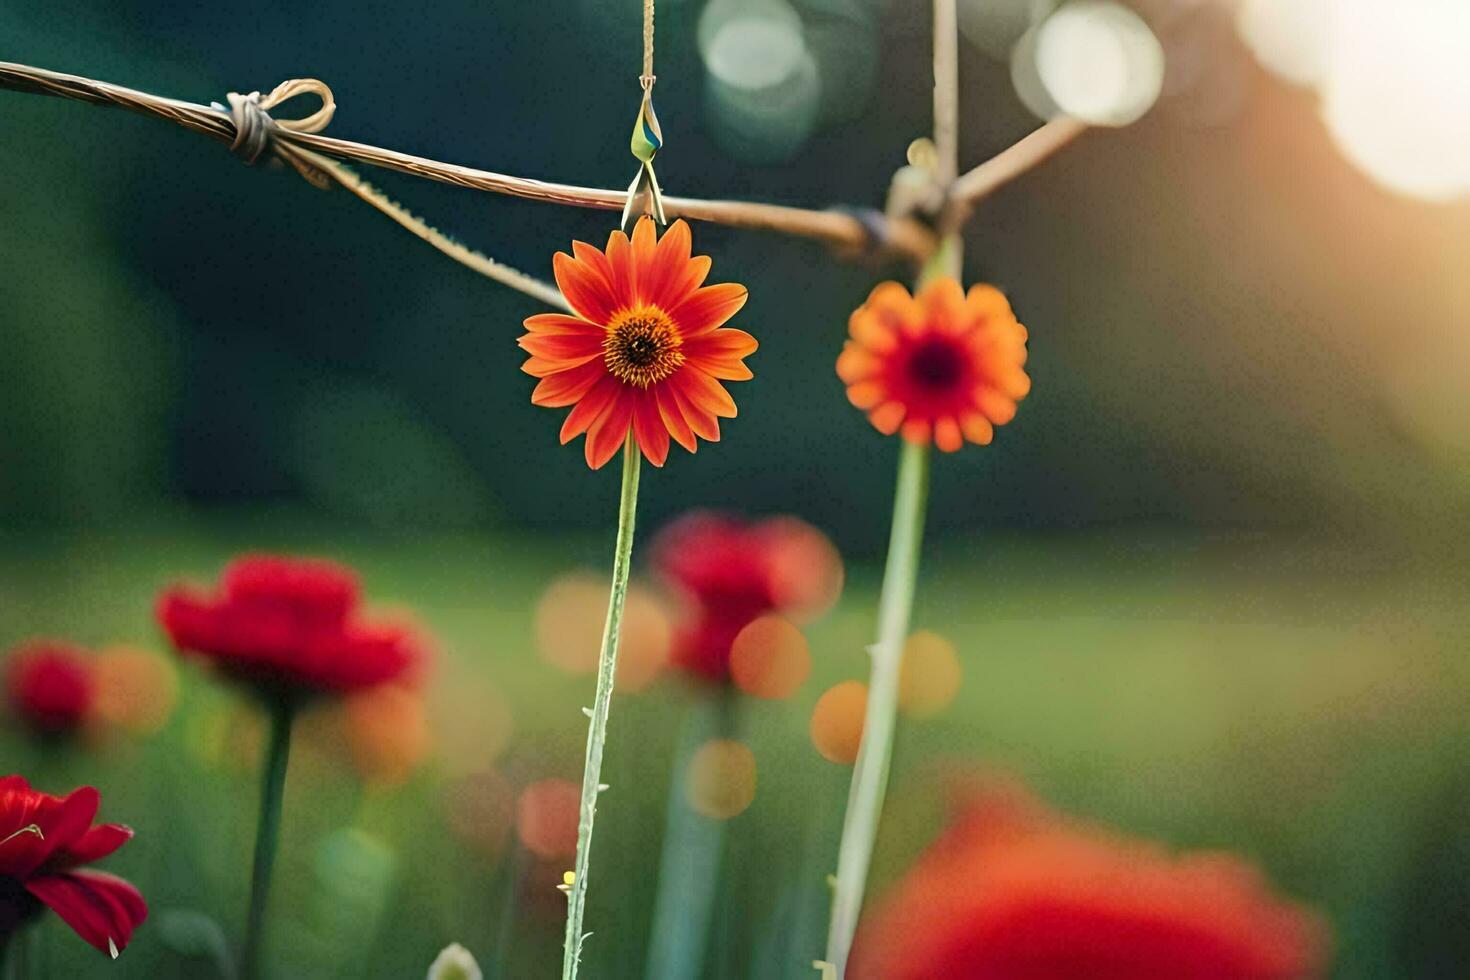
642, 346
935, 364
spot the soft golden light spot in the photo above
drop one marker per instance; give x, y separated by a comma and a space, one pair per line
721, 779
470, 721
569, 620
837, 721
769, 658
546, 817
642, 346
136, 689
930, 676
388, 733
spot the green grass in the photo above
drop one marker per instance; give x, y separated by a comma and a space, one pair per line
1298, 702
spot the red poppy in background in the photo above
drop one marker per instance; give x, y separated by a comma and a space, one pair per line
43, 841
290, 625
1013, 892
51, 686
732, 571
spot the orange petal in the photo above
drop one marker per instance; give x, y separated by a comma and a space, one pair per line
567, 387
610, 430
730, 370
560, 323
887, 417
977, 429
986, 301
578, 348
1015, 384
725, 342
668, 268
586, 411
997, 407
708, 308
644, 241
944, 302
866, 394
624, 273
590, 295
891, 303
871, 330
705, 391
649, 429
916, 430
691, 277
855, 363
701, 421
540, 367
673, 419
947, 434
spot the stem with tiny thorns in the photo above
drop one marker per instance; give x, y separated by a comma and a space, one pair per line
607, 663
870, 774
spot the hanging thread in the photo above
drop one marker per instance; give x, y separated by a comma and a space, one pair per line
647, 137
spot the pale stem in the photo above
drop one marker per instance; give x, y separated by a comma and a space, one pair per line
689, 867
870, 774
607, 663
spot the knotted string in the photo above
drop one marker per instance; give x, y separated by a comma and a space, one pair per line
647, 137
256, 130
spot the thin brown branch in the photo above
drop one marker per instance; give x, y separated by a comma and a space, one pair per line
1013, 161
904, 236
949, 260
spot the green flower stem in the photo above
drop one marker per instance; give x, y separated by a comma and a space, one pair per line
267, 832
597, 726
689, 867
870, 774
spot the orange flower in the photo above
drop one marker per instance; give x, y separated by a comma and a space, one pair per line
941, 365
1013, 892
647, 349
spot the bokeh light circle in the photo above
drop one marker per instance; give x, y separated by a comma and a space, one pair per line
721, 779
1396, 95
770, 658
136, 688
387, 732
763, 90
546, 817
569, 620
837, 722
930, 676
1092, 60
1290, 37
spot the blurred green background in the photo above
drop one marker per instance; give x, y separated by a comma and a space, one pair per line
1209, 586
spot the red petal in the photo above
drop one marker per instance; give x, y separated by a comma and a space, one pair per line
592, 405
562, 347
668, 269
624, 272
100, 907
584, 287
95, 844
705, 391
567, 387
609, 431
708, 308
648, 427
561, 323
673, 418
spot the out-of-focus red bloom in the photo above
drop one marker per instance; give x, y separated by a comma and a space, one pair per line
1013, 892
51, 686
43, 842
731, 572
289, 625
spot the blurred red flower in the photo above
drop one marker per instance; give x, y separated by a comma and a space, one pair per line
289, 625
43, 840
1013, 892
731, 572
51, 686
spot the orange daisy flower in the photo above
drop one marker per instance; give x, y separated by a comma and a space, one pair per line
942, 365
646, 350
